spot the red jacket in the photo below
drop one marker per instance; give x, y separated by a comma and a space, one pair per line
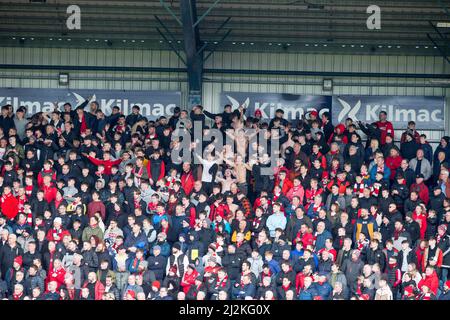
49, 192
386, 128
41, 174
431, 282
61, 234
99, 289
310, 195
108, 164
96, 206
306, 239
221, 210
393, 163
423, 224
296, 192
9, 206
287, 185
188, 280
422, 190
187, 182
57, 275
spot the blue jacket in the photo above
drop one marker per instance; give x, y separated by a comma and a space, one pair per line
308, 294
427, 152
157, 220
386, 174
139, 242
242, 292
165, 248
129, 264
227, 227
273, 265
320, 240
445, 296
324, 290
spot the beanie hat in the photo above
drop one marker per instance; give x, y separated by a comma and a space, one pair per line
156, 284
177, 246
258, 112
18, 260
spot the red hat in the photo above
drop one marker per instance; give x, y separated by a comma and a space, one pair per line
18, 260
156, 284
258, 112
314, 113
447, 283
132, 293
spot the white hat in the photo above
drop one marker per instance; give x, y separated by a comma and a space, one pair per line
58, 220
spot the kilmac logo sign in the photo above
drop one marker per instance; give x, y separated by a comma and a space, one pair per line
153, 104
294, 106
427, 112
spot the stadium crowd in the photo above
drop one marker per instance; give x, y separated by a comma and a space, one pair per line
93, 207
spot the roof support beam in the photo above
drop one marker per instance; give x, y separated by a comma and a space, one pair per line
170, 11
206, 13
192, 45
442, 51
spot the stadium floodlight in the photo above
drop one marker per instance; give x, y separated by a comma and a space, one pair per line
443, 25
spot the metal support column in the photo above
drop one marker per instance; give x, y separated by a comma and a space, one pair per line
194, 56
